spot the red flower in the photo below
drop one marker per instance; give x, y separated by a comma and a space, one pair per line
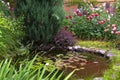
104, 21
96, 14
66, 17
90, 17
66, 27
99, 22
79, 14
70, 17
85, 13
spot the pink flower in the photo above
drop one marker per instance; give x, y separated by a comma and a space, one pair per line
96, 14
66, 17
75, 13
88, 18
79, 14
92, 15
113, 25
101, 22
117, 32
114, 28
85, 1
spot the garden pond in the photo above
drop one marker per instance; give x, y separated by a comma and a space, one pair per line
85, 64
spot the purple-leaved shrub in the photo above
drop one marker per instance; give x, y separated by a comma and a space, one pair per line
64, 38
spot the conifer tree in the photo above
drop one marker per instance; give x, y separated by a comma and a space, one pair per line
42, 19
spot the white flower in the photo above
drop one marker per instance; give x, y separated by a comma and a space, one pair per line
70, 48
47, 64
3, 2
8, 3
112, 32
109, 17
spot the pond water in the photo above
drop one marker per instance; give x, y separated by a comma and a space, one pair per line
86, 65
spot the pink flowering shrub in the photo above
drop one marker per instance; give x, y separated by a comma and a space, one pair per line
87, 25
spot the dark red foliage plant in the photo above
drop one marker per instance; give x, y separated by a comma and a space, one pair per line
64, 38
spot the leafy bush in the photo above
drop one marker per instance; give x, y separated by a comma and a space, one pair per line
64, 38
112, 74
25, 72
10, 36
42, 19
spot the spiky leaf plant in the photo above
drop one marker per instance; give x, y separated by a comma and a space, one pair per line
25, 72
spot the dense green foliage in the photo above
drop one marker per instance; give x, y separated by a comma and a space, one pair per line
10, 36
4, 8
42, 19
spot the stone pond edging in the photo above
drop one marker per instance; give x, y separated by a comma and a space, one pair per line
104, 53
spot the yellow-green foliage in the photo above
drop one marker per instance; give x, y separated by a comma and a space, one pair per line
111, 46
97, 44
9, 37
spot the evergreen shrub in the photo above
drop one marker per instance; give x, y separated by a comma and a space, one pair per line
42, 19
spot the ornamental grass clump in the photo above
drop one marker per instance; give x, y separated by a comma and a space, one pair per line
25, 72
